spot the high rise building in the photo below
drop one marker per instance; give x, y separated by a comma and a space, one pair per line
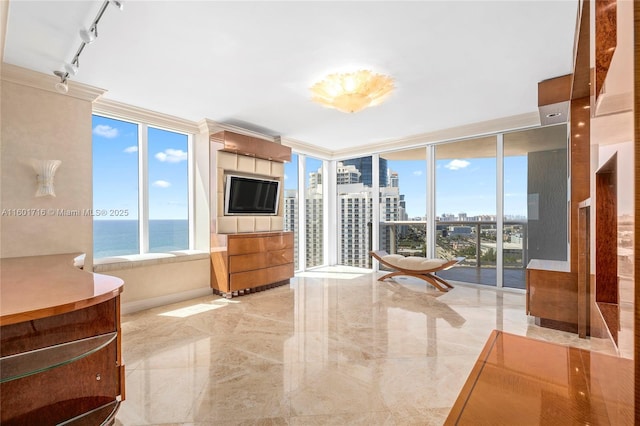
313, 207
355, 212
394, 181
354, 216
364, 165
347, 174
291, 219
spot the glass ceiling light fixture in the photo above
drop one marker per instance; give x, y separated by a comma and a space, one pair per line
88, 36
352, 91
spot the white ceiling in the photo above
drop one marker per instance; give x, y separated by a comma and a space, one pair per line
250, 63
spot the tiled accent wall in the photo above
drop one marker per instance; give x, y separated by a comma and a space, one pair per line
231, 163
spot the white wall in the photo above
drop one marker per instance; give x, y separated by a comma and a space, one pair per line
155, 282
37, 124
40, 123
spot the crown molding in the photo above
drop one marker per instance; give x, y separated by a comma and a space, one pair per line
26, 77
207, 125
307, 149
467, 131
128, 112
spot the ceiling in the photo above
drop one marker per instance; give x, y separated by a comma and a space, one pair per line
250, 64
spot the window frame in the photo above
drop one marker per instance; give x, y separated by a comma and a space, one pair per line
143, 178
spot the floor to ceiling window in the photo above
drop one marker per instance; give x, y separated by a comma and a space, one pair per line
466, 208
291, 202
403, 202
354, 181
514, 231
496, 200
314, 212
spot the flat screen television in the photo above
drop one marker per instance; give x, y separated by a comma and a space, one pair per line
251, 196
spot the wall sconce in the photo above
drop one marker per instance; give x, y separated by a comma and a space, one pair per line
45, 171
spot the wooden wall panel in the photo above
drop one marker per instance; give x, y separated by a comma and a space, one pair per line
580, 162
606, 39
252, 146
636, 225
607, 233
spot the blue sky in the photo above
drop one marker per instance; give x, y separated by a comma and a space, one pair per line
115, 170
463, 185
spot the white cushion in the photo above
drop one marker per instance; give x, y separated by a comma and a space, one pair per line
413, 263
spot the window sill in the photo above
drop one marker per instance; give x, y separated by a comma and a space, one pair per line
116, 263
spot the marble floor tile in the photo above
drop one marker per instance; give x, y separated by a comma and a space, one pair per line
334, 347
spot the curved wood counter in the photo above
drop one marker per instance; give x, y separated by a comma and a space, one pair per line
59, 331
41, 286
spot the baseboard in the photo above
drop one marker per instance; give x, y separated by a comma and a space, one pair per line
153, 302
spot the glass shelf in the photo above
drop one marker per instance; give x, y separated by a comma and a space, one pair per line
24, 364
104, 415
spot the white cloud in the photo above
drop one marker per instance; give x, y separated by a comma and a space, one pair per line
161, 184
172, 155
417, 173
286, 177
457, 164
105, 131
131, 149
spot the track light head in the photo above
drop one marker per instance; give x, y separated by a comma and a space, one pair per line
88, 36
118, 4
72, 68
62, 86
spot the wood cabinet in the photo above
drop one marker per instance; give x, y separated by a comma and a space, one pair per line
252, 261
59, 343
552, 294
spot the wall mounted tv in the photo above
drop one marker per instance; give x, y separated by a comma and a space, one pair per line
251, 196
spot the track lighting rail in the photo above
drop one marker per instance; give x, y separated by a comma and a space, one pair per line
88, 37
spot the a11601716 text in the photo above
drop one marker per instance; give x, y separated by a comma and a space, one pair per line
31, 212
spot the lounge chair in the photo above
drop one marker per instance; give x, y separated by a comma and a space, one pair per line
415, 266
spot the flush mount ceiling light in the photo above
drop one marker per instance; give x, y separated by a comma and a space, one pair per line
88, 36
353, 91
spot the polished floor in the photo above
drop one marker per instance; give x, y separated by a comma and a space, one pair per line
335, 347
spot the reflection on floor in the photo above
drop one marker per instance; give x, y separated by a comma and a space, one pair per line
334, 347
512, 277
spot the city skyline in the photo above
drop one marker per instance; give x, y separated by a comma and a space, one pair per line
462, 185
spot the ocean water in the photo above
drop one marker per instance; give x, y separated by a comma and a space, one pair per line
120, 237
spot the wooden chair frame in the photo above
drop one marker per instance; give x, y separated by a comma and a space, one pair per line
424, 274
